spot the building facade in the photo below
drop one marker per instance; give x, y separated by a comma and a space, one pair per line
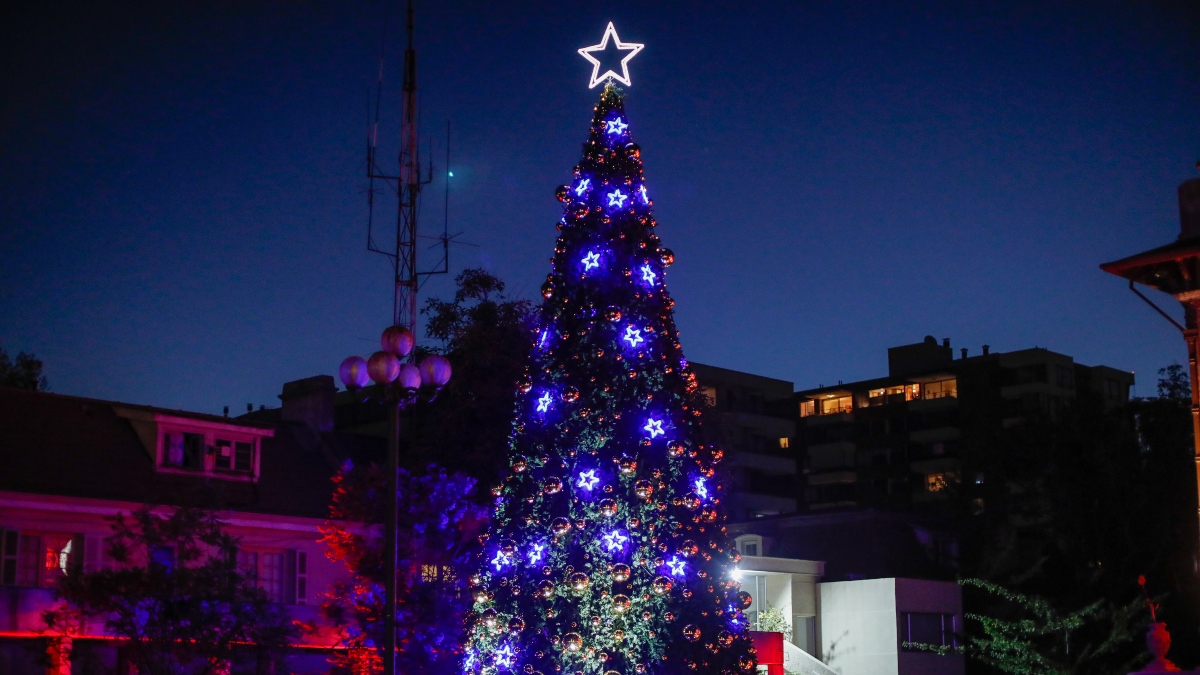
758, 427
896, 442
72, 464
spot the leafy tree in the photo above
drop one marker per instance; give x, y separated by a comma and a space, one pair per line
487, 336
1078, 504
1033, 638
438, 525
175, 596
23, 373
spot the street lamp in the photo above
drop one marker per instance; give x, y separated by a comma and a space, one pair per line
401, 385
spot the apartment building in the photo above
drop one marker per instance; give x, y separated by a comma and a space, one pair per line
757, 421
896, 442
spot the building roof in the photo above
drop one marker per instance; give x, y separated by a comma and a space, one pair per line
860, 544
80, 447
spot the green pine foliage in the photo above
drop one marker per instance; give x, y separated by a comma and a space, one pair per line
607, 551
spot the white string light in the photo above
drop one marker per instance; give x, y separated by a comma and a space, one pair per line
632, 47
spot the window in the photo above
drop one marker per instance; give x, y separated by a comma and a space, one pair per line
808, 408
234, 456
885, 395
838, 404
183, 450
710, 395
1063, 377
163, 557
749, 544
936, 482
941, 389
301, 577
281, 574
8, 557
1113, 390
784, 442
929, 629
38, 559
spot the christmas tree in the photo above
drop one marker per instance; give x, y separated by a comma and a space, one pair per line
607, 553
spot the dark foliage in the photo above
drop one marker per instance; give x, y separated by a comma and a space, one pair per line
486, 335
1033, 638
23, 373
1077, 506
438, 524
176, 597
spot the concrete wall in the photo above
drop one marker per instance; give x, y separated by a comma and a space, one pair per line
859, 625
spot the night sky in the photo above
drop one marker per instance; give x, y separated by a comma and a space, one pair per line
182, 217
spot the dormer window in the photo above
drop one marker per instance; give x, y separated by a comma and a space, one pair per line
212, 447
234, 456
183, 450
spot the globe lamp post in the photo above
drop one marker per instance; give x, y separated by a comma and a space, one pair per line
400, 384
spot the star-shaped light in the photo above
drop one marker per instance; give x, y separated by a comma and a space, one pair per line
615, 198
583, 186
632, 47
615, 541
645, 197
678, 566
633, 336
499, 561
544, 402
648, 274
587, 479
504, 657
535, 553
701, 488
590, 261
616, 126
654, 428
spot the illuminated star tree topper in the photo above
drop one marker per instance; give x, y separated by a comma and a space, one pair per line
597, 77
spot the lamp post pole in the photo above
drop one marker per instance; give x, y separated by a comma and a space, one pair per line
390, 534
400, 385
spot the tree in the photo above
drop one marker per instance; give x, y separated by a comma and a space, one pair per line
175, 596
1035, 639
438, 525
607, 549
23, 373
1080, 503
486, 335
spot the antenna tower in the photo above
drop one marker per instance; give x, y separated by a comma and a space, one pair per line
407, 188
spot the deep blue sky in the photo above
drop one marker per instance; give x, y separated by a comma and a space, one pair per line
182, 220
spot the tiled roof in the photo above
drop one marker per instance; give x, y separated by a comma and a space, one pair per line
71, 446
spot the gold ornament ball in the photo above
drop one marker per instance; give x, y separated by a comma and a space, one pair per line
620, 573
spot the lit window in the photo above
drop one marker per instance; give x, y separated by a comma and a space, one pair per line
911, 392
784, 441
808, 408
429, 573
836, 404
38, 559
936, 482
941, 389
710, 394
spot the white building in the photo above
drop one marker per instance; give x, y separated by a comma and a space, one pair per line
851, 627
